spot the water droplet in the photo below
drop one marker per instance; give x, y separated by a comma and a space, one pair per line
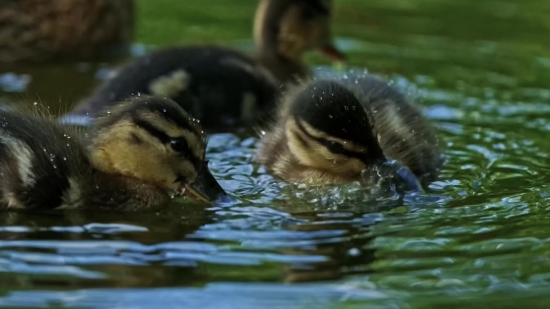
164, 110
330, 116
35, 103
354, 252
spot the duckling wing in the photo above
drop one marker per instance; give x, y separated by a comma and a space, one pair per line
37, 159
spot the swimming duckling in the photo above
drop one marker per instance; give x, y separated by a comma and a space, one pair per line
233, 89
38, 30
135, 156
329, 131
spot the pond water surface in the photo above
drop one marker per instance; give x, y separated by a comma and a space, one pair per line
480, 236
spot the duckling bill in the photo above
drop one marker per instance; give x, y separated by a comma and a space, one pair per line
329, 131
137, 154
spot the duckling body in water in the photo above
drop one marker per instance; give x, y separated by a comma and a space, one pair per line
137, 154
233, 89
329, 131
42, 30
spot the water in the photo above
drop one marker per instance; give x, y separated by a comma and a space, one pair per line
478, 237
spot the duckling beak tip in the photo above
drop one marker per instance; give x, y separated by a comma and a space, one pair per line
333, 53
205, 188
198, 195
410, 179
405, 178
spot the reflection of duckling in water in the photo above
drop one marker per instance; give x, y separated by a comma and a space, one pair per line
39, 30
331, 131
225, 88
135, 156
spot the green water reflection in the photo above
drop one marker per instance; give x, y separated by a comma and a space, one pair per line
481, 70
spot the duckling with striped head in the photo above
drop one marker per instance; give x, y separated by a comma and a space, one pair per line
135, 156
331, 131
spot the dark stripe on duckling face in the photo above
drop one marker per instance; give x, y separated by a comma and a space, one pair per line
169, 112
134, 139
178, 144
335, 110
165, 108
300, 139
338, 148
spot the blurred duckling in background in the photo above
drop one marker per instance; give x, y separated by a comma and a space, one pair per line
232, 88
137, 154
40, 30
329, 131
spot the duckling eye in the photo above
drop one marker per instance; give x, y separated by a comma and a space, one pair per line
335, 147
179, 144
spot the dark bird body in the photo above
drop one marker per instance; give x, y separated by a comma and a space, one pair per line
228, 85
225, 88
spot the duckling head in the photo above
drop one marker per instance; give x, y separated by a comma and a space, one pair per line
328, 129
293, 27
153, 140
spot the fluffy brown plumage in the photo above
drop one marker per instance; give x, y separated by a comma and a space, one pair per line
40, 30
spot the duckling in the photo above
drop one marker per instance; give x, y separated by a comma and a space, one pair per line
137, 154
329, 131
233, 89
39, 30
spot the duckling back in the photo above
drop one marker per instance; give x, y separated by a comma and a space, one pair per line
221, 87
403, 132
36, 158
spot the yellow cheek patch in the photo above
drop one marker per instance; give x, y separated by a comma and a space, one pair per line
115, 152
310, 153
